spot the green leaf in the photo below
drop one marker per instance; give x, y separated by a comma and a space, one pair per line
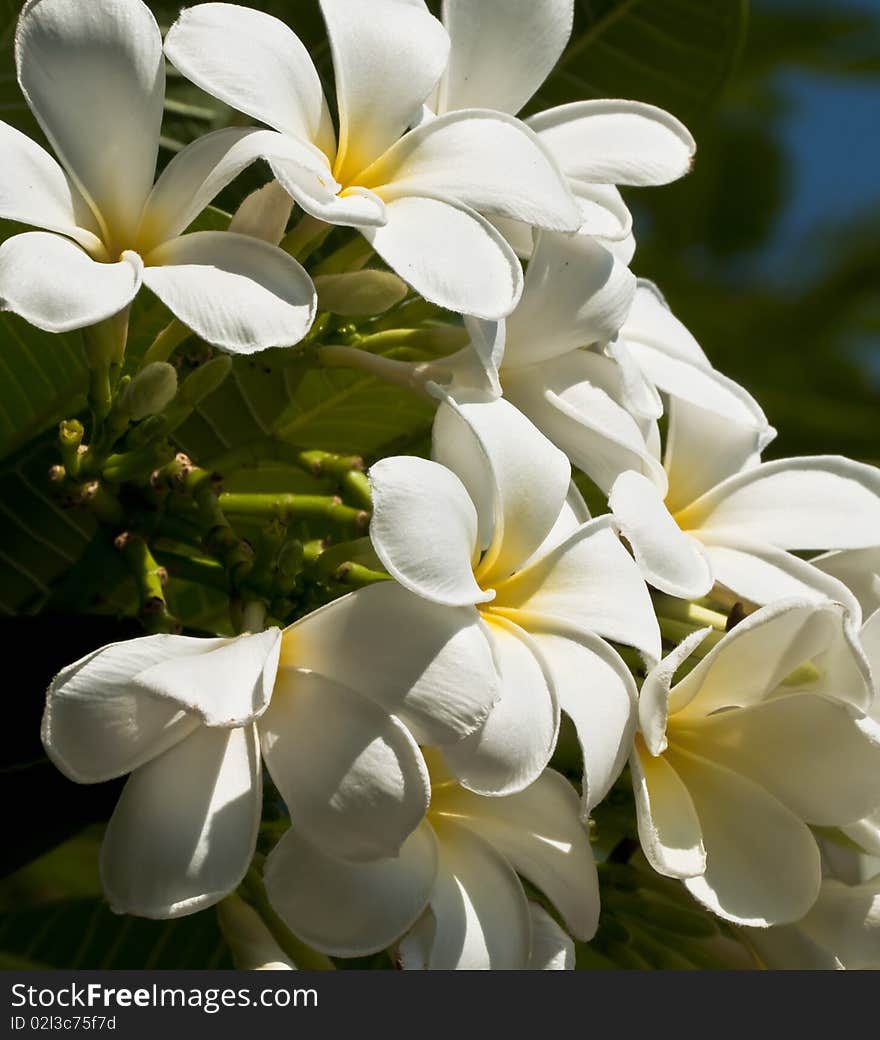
677, 54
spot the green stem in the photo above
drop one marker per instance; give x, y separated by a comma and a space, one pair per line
689, 613
168, 340
675, 631
288, 508
70, 437
407, 374
197, 569
353, 256
304, 957
150, 579
356, 488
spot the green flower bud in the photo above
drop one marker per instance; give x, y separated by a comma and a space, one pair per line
205, 380
151, 390
359, 293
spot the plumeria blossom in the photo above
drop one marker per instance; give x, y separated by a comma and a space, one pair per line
841, 932
454, 887
763, 737
494, 528
421, 197
178, 714
106, 228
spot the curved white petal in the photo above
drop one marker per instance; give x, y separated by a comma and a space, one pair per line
351, 775
573, 514
669, 559
846, 920
805, 750
99, 723
440, 681
473, 370
669, 828
350, 909
552, 949
318, 193
200, 171
573, 400
251, 943
591, 583
487, 161
777, 641
502, 51
653, 324
514, 744
541, 833
859, 570
616, 142
691, 470
424, 529
480, 908
605, 215
761, 574
598, 693
576, 293
496, 451
654, 694
638, 394
229, 684
53, 284
254, 63
236, 292
35, 190
387, 57
96, 82
762, 863
450, 255
818, 502
184, 830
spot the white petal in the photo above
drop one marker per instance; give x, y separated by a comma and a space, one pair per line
669, 559
254, 63
591, 583
387, 56
487, 161
515, 743
552, 949
53, 284
229, 684
473, 370
819, 502
576, 293
654, 695
573, 401
35, 190
846, 920
317, 193
482, 916
866, 833
638, 394
776, 641
604, 214
573, 514
690, 468
201, 170
859, 569
787, 948
352, 776
98, 723
669, 828
761, 574
762, 863
103, 123
598, 693
502, 51
424, 530
350, 909
450, 255
248, 938
236, 292
184, 830
540, 832
616, 142
440, 681
497, 451
653, 324
805, 750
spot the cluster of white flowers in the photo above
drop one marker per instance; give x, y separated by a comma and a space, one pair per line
409, 725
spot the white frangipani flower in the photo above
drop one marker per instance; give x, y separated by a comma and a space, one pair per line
494, 528
454, 883
420, 197
841, 932
107, 228
501, 53
180, 715
764, 736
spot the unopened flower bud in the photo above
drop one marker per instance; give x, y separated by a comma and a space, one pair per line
150, 391
205, 380
359, 292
